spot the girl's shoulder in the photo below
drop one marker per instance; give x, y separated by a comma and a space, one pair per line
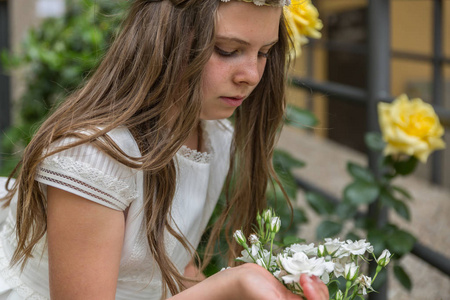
92, 173
124, 139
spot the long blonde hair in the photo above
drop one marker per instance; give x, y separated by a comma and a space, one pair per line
155, 65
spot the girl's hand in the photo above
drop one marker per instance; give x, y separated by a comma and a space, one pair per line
262, 285
314, 288
249, 282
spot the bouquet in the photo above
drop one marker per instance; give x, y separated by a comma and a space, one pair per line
331, 261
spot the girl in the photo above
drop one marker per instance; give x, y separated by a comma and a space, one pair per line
117, 186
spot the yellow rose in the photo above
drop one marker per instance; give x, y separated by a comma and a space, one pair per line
410, 127
303, 21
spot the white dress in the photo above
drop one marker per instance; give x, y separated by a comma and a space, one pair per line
88, 172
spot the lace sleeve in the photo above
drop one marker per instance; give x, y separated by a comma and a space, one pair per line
88, 172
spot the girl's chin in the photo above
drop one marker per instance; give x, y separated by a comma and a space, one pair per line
217, 115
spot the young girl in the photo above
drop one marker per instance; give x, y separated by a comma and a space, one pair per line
117, 186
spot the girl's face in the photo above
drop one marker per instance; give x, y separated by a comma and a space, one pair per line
244, 35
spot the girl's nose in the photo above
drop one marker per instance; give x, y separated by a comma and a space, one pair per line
249, 72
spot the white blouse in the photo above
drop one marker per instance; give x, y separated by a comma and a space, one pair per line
86, 171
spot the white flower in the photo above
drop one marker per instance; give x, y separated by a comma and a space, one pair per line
339, 295
264, 259
275, 224
332, 245
239, 237
339, 265
246, 257
351, 271
267, 215
309, 250
321, 251
384, 258
259, 2
357, 248
253, 239
329, 267
299, 264
365, 283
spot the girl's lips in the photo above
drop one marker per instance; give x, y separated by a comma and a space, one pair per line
233, 101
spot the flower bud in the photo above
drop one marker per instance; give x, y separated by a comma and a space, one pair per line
351, 271
384, 258
258, 218
267, 215
240, 238
275, 224
339, 295
321, 251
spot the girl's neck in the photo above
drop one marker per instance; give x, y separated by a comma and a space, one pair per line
195, 139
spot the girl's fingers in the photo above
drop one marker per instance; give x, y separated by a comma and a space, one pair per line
313, 288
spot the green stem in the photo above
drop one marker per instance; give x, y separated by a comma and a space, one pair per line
347, 287
250, 253
272, 237
355, 292
376, 273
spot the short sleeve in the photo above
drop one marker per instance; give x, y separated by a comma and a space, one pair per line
88, 172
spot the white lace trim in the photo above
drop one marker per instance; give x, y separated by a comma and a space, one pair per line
195, 155
96, 177
11, 275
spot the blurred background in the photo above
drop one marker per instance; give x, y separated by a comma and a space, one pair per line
370, 51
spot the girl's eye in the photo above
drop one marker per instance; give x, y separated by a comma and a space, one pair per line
264, 54
223, 52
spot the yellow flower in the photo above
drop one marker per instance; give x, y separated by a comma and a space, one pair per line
410, 127
303, 21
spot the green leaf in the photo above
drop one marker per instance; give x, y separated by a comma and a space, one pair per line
402, 210
292, 239
400, 242
360, 173
402, 191
285, 160
328, 229
405, 167
346, 210
377, 238
399, 206
320, 204
352, 236
402, 277
361, 192
298, 117
374, 141
333, 287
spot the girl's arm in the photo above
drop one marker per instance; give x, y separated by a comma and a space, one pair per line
84, 246
191, 271
248, 282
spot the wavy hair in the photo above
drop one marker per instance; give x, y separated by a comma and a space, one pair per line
153, 67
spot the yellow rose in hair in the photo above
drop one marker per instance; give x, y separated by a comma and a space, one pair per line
303, 21
410, 127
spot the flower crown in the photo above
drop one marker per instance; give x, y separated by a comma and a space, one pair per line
302, 19
278, 3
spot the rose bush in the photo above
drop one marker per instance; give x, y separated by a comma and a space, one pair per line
410, 127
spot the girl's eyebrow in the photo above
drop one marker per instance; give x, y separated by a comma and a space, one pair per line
240, 41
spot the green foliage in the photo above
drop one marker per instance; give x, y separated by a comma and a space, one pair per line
57, 56
320, 204
328, 229
299, 117
365, 189
402, 277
